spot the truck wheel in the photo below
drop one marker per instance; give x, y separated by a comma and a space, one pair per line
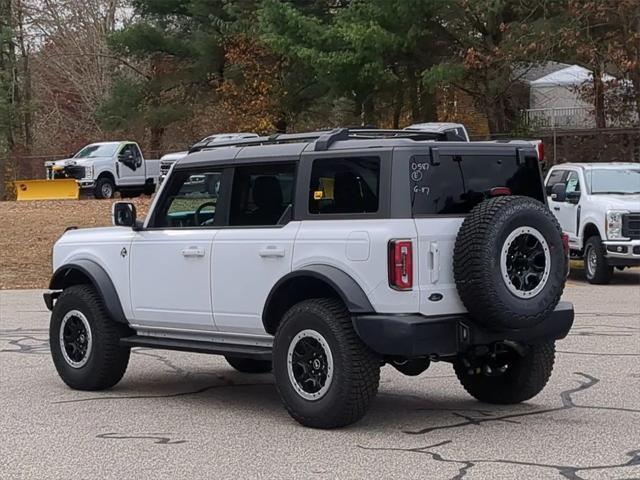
248, 365
509, 262
85, 342
511, 378
104, 188
325, 375
149, 188
595, 263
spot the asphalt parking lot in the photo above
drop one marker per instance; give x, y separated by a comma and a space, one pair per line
180, 415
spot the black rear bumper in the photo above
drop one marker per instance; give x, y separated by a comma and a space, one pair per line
416, 335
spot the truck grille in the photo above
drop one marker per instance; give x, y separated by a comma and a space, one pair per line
165, 166
631, 225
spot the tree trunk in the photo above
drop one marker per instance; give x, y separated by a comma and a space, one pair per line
598, 96
155, 143
398, 104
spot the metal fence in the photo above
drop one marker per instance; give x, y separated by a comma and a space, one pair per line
574, 117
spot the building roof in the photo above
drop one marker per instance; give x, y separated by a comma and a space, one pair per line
571, 75
531, 72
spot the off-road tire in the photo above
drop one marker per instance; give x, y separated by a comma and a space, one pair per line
523, 380
477, 255
602, 273
108, 360
97, 190
249, 365
356, 369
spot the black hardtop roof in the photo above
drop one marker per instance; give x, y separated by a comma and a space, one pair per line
290, 146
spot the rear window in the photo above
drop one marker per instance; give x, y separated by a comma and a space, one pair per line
457, 183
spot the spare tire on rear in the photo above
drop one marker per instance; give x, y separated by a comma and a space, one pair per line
509, 263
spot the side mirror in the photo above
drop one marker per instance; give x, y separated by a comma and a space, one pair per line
558, 192
123, 214
573, 197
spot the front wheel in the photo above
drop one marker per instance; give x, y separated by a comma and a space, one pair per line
595, 263
508, 377
104, 188
85, 342
325, 375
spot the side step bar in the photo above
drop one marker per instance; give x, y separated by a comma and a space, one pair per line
231, 349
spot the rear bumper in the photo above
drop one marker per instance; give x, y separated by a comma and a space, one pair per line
416, 335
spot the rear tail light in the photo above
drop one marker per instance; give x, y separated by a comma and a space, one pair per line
401, 264
540, 149
565, 243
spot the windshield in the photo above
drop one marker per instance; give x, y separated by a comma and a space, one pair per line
625, 181
98, 150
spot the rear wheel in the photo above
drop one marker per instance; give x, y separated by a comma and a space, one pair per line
85, 342
104, 188
325, 375
509, 377
249, 365
595, 263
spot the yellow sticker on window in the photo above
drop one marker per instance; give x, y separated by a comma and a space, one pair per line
317, 195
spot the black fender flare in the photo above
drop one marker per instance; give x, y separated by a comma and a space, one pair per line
98, 277
344, 285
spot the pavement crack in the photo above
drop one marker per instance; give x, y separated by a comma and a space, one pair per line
565, 396
567, 471
158, 437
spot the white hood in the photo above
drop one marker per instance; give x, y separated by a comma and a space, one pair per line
174, 156
613, 201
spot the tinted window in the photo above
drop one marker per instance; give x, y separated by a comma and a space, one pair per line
261, 194
458, 183
554, 177
191, 201
344, 185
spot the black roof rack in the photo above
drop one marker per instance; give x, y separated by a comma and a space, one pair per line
323, 139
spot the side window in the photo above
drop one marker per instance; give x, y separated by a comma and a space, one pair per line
573, 183
261, 194
191, 200
344, 185
554, 177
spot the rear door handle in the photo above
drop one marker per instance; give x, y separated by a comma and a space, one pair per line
193, 252
271, 251
434, 251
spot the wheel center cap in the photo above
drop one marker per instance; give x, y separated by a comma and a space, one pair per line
316, 364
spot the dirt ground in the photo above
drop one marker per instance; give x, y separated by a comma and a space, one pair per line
28, 231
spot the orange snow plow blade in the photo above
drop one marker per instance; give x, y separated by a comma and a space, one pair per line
62, 189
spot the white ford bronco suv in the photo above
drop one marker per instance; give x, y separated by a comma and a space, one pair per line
598, 206
322, 257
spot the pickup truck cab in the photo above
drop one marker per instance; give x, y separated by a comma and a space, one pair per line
598, 206
108, 167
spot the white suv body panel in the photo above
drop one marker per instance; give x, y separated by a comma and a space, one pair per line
246, 264
436, 240
358, 248
170, 278
103, 246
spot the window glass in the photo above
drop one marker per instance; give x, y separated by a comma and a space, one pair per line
191, 201
554, 177
623, 181
344, 185
98, 150
459, 182
261, 194
573, 184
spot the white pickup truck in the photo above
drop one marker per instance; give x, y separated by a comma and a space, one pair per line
598, 206
106, 167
